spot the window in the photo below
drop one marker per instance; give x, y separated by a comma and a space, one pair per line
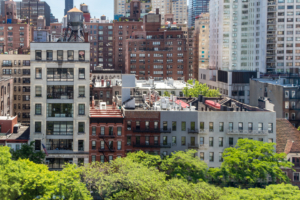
137, 125
94, 130
49, 55
81, 109
220, 157
119, 145
93, 158
201, 126
110, 158
102, 158
211, 126
119, 129
37, 145
270, 140
173, 126
81, 55
183, 140
102, 130
296, 176
183, 126
201, 155
80, 145
129, 125
165, 140
230, 126
221, 126
38, 127
201, 141
93, 145
81, 91
270, 127
250, 126
211, 141
231, 142
38, 109
81, 127
193, 126
211, 156
240, 126
38, 73
38, 55
81, 73
155, 125
60, 55
70, 55
38, 91
260, 126
174, 141
220, 142
147, 125
165, 125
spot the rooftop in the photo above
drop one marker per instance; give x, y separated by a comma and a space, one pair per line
161, 85
105, 111
9, 118
284, 82
287, 138
22, 134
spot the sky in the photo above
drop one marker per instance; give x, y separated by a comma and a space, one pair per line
96, 7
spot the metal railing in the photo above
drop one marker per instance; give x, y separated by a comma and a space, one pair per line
107, 136
145, 130
194, 131
152, 145
107, 150
165, 130
246, 132
193, 145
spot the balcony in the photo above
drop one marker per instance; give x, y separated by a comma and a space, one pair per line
107, 136
107, 150
152, 145
203, 146
193, 131
165, 130
247, 132
145, 130
193, 146
203, 131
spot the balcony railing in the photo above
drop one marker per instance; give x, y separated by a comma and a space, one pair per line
165, 130
58, 147
145, 130
107, 136
246, 132
193, 145
152, 145
112, 149
194, 131
203, 146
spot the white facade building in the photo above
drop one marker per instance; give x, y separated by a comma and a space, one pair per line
238, 35
60, 100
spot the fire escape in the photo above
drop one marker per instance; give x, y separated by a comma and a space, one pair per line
108, 145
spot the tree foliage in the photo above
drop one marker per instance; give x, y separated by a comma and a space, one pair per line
23, 179
166, 94
251, 162
199, 89
27, 152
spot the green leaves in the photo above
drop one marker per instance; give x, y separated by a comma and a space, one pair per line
23, 179
199, 89
28, 152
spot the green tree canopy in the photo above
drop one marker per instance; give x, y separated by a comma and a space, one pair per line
27, 152
251, 162
166, 94
23, 179
199, 89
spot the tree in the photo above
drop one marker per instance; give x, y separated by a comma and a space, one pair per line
166, 94
23, 179
251, 162
27, 152
184, 165
199, 89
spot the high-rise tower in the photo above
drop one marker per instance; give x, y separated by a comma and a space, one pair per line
68, 5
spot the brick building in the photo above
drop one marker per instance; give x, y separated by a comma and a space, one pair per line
105, 85
101, 40
288, 141
106, 130
157, 52
17, 67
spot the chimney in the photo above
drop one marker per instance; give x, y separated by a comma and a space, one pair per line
93, 102
157, 11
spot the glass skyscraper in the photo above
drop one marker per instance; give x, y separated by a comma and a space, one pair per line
196, 7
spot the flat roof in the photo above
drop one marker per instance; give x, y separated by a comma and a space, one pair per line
278, 82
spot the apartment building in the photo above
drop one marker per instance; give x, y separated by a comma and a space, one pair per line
17, 67
101, 41
104, 86
178, 8
60, 101
201, 42
156, 52
196, 8
122, 8
280, 94
283, 36
161, 125
32, 9
6, 84
12, 134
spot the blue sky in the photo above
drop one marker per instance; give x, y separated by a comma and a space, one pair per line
96, 7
